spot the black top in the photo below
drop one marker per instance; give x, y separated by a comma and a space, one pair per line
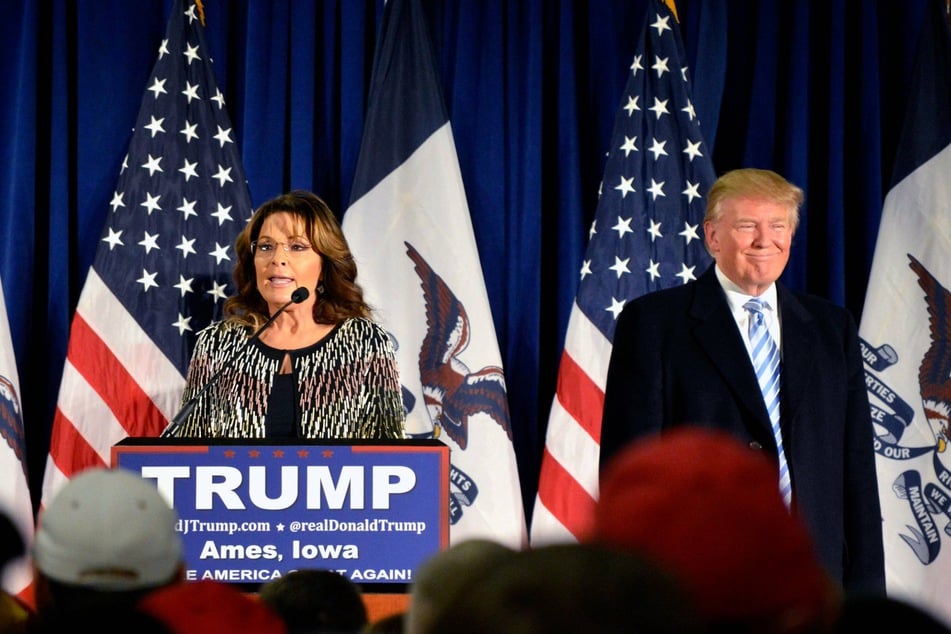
281, 418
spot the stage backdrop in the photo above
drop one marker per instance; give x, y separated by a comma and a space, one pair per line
815, 90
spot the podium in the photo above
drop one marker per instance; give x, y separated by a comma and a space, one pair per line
253, 510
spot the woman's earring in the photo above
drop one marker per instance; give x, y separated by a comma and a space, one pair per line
320, 288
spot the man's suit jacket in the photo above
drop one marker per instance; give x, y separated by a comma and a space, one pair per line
679, 358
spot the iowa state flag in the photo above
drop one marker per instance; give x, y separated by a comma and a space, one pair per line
409, 228
906, 337
163, 266
15, 501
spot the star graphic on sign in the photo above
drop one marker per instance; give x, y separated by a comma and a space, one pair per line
327, 453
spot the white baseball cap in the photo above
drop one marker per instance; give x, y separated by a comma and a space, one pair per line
108, 529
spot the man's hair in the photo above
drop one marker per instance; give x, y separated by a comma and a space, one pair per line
316, 600
756, 184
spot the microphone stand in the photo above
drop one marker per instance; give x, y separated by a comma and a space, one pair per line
299, 295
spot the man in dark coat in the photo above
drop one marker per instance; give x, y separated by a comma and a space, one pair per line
682, 356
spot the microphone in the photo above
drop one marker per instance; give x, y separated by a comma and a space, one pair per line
299, 295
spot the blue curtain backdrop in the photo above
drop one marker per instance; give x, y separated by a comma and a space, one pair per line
814, 90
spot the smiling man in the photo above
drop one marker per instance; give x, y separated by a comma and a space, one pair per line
781, 371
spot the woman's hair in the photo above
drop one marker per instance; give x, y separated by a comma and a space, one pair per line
340, 296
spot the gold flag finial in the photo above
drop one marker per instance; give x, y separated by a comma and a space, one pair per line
672, 5
201, 11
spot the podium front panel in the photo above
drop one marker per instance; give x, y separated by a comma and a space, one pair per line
250, 512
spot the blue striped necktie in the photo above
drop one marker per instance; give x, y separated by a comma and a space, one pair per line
768, 366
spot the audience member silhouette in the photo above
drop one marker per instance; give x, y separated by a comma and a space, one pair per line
875, 613
569, 588
106, 539
210, 607
394, 623
443, 574
706, 508
316, 601
112, 619
14, 613
690, 534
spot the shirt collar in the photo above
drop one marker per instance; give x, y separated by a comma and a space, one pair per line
737, 297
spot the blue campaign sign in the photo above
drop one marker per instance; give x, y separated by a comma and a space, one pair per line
250, 512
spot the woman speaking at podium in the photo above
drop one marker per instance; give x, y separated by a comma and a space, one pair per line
296, 355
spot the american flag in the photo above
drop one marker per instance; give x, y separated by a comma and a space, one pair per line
647, 235
163, 266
